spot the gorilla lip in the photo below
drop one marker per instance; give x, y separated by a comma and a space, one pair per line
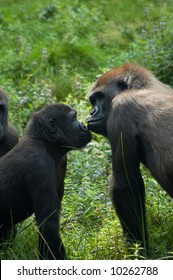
93, 120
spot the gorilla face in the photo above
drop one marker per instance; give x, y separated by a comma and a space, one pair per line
99, 114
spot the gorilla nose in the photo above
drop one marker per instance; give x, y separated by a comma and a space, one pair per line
94, 111
83, 127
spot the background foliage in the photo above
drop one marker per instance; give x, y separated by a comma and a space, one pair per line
53, 51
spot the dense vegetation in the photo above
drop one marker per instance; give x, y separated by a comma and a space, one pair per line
53, 51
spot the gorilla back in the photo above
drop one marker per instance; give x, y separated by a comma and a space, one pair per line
28, 175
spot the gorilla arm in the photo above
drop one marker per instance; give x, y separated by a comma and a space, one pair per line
128, 194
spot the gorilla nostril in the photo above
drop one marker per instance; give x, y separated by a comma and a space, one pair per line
83, 127
94, 111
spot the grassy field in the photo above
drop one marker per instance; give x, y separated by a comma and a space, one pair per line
53, 51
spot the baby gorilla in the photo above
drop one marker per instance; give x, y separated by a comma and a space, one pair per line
31, 179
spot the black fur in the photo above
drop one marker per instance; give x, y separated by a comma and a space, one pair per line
32, 175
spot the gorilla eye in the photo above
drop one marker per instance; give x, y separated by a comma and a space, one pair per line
52, 126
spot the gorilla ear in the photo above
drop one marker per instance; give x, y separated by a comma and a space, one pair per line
52, 126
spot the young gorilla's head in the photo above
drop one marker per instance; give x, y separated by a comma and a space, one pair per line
57, 123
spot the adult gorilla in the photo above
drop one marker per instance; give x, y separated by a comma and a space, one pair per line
8, 134
28, 175
135, 112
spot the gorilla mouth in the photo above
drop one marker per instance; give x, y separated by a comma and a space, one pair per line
97, 125
94, 121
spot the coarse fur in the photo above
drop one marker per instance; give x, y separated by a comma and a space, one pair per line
134, 110
32, 175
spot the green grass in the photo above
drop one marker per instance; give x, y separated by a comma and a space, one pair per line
53, 51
